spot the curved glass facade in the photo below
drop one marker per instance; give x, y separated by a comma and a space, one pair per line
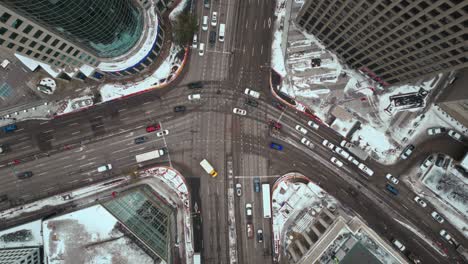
105, 28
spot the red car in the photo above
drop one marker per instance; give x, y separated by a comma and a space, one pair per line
153, 128
250, 231
279, 105
275, 125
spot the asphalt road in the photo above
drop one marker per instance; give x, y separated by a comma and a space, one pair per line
65, 152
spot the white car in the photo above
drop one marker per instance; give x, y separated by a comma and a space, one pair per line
104, 168
437, 217
214, 19
392, 179
195, 41
313, 125
252, 93
336, 161
328, 144
427, 162
238, 189
201, 49
443, 233
399, 245
435, 131
353, 160
301, 129
344, 143
343, 153
162, 133
420, 201
194, 97
239, 111
306, 142
248, 209
454, 134
365, 169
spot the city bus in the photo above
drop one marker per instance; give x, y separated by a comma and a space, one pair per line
266, 200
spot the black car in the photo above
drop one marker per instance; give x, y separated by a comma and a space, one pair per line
25, 175
251, 102
179, 108
3, 198
440, 160
140, 140
212, 37
195, 85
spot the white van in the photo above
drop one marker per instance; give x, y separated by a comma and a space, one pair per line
205, 23
221, 32
104, 168
201, 49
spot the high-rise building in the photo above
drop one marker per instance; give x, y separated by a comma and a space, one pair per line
392, 41
72, 34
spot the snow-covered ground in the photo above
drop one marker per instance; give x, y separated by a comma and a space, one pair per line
26, 235
78, 238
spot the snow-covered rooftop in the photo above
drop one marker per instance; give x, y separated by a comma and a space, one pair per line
26, 235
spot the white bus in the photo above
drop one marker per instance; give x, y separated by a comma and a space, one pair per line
150, 155
266, 200
221, 32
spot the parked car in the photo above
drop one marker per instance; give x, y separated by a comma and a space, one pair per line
392, 179
435, 131
443, 233
455, 135
342, 152
251, 102
24, 175
162, 133
238, 189
398, 245
353, 160
336, 161
195, 41
420, 201
140, 140
328, 144
313, 125
427, 162
259, 236
276, 146
239, 111
201, 49
256, 182
365, 169
391, 189
437, 217
179, 108
440, 160
407, 152
306, 142
301, 129
104, 168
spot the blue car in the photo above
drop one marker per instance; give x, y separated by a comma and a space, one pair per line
392, 189
10, 128
273, 145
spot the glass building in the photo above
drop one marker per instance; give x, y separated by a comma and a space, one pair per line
104, 28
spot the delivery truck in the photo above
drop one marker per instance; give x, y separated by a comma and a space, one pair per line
208, 168
150, 155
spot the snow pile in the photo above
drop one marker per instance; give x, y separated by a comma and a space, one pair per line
372, 141
26, 235
343, 127
176, 12
78, 238
164, 74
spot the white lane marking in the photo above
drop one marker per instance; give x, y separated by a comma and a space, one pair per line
255, 25
98, 117
269, 22
264, 23
73, 124
18, 130
145, 103
68, 166
261, 50
76, 132
87, 164
43, 123
253, 51
121, 110
101, 125
247, 24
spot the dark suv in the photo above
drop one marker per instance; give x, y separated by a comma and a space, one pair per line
140, 140
212, 37
195, 85
256, 184
25, 175
179, 108
251, 102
